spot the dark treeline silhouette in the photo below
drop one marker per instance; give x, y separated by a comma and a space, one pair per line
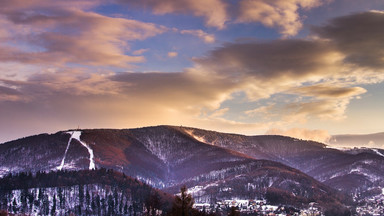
67, 178
86, 192
89, 192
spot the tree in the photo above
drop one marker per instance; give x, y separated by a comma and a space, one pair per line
53, 210
61, 197
183, 204
111, 205
81, 195
14, 206
234, 211
45, 205
88, 198
130, 209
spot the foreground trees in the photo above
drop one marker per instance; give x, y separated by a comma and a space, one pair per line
183, 204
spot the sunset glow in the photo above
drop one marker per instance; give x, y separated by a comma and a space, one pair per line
306, 68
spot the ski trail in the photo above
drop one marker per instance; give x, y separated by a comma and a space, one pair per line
65, 153
76, 135
377, 152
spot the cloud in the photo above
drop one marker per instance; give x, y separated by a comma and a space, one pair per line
326, 102
266, 112
9, 94
140, 51
214, 12
265, 67
207, 38
316, 74
51, 34
281, 14
259, 110
331, 109
63, 98
172, 54
219, 112
302, 133
328, 91
357, 36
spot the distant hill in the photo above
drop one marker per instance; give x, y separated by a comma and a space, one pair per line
337, 168
375, 140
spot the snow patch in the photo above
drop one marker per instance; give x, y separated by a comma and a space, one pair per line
200, 189
198, 138
76, 135
65, 153
356, 170
377, 152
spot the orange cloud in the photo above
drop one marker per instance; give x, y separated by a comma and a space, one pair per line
207, 38
172, 54
213, 11
283, 14
74, 36
320, 76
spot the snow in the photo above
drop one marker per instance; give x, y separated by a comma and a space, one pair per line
76, 135
65, 153
198, 138
340, 148
377, 152
271, 207
355, 170
200, 189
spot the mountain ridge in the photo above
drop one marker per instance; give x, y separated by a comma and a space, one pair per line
165, 157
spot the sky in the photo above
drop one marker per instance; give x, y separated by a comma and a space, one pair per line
304, 68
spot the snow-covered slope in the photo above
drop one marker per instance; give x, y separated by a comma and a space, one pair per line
359, 169
165, 157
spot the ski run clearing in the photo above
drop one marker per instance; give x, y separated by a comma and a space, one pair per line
76, 135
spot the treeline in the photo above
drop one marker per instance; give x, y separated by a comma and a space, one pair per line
87, 192
68, 178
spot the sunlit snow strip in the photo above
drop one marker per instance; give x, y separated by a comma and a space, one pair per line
65, 153
377, 152
76, 135
200, 139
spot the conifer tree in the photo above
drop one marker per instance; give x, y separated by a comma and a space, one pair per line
53, 210
183, 204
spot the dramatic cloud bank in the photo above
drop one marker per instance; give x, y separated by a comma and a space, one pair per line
64, 53
281, 14
58, 34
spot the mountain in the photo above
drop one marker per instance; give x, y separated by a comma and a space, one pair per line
350, 171
168, 157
